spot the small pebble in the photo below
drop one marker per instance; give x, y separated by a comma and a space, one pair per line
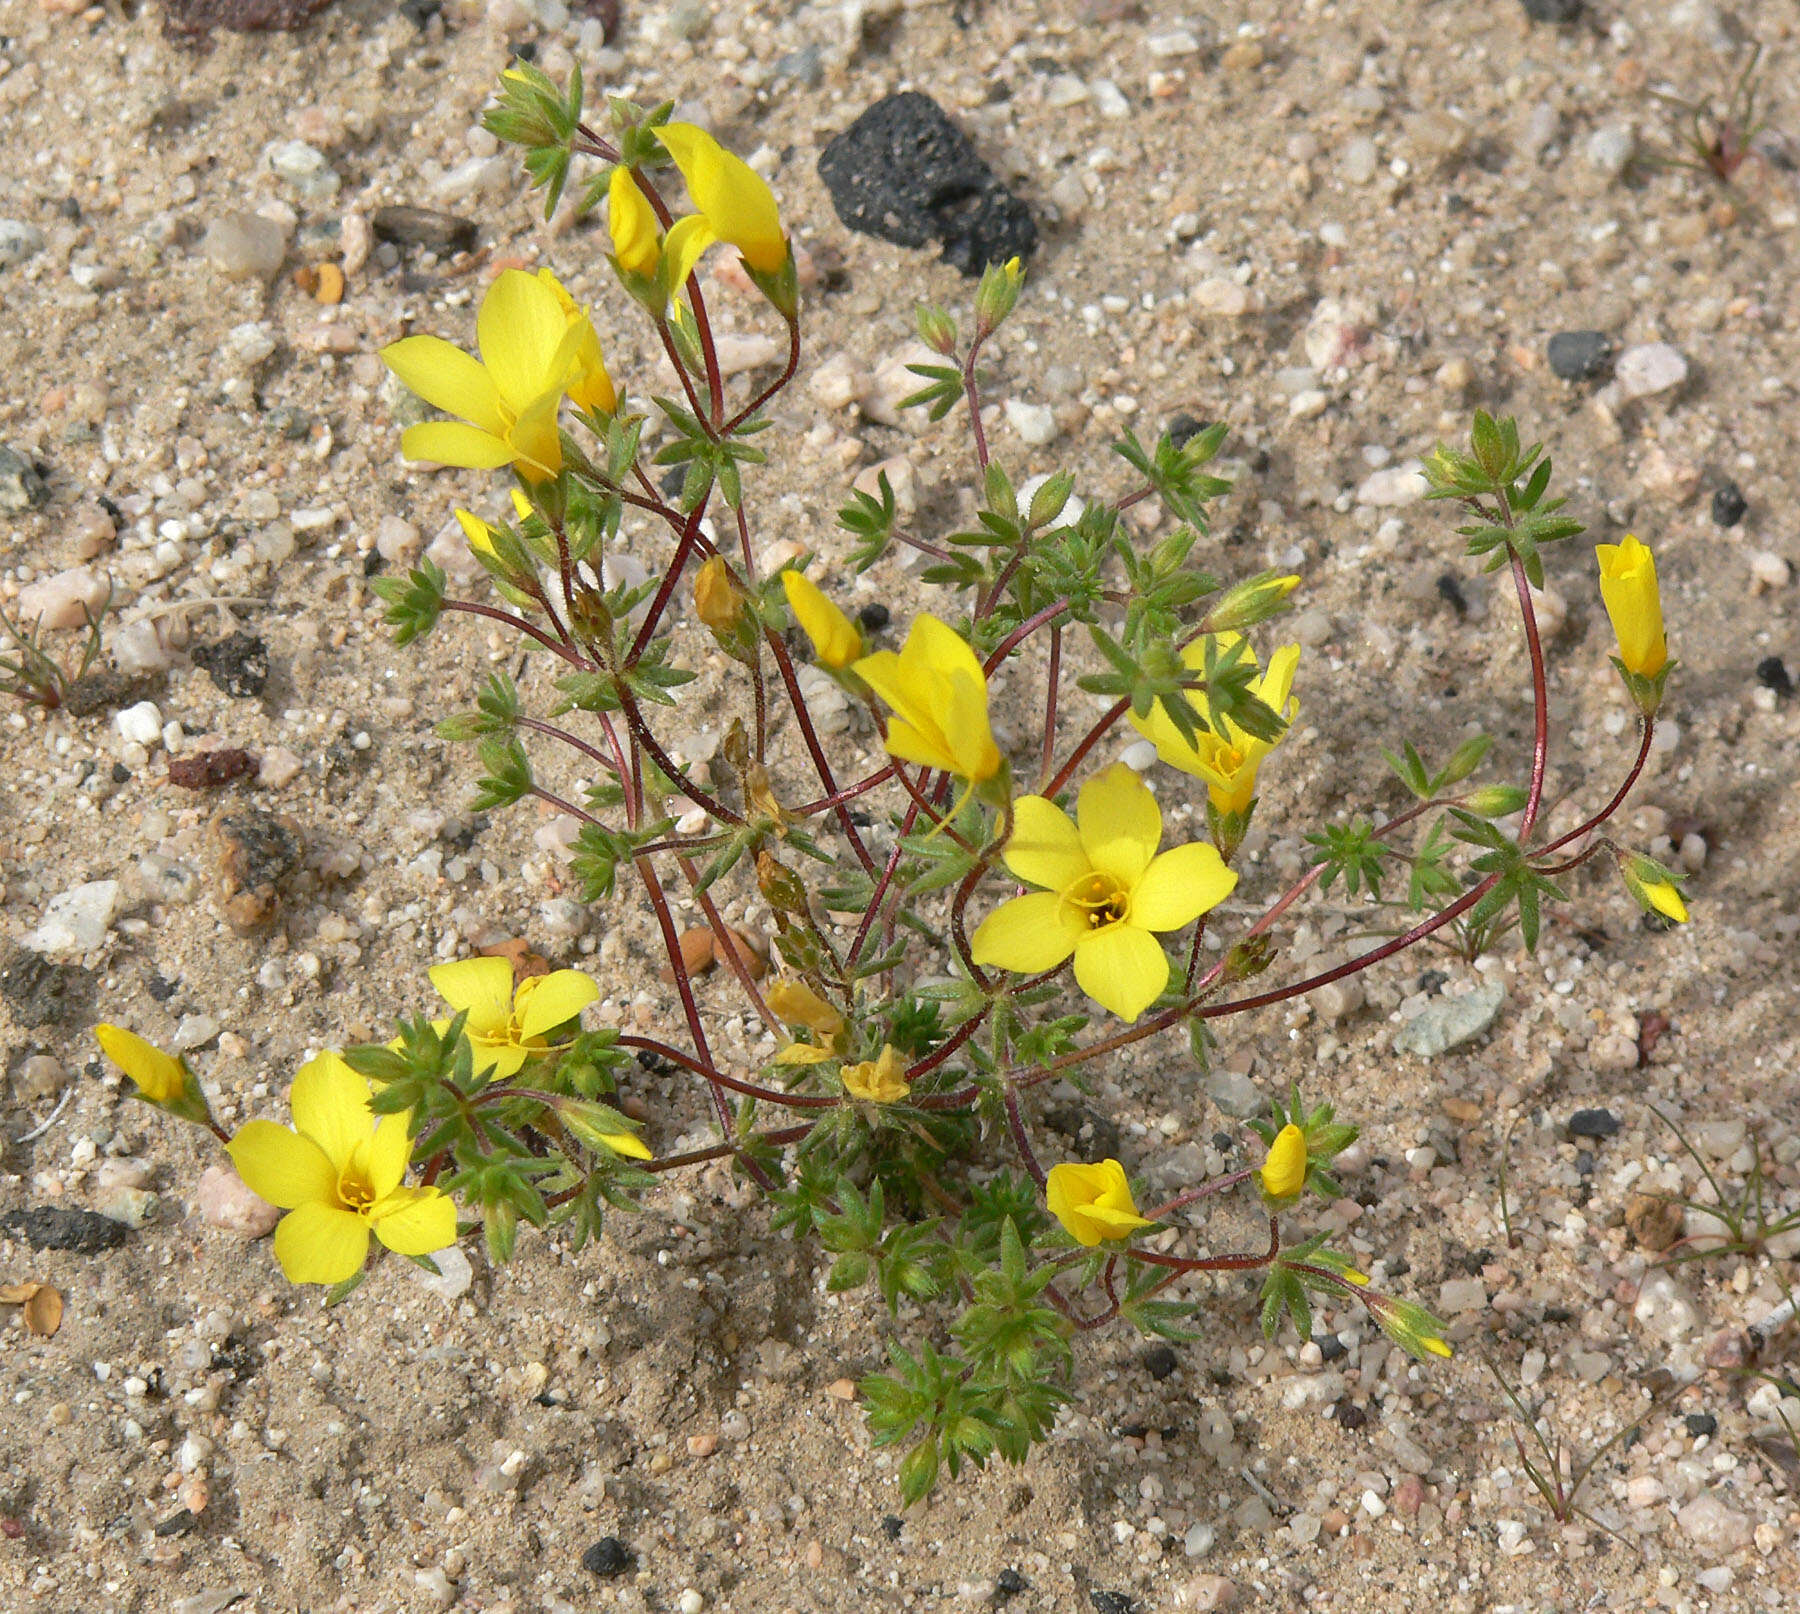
1579, 355
19, 241
1772, 674
1649, 369
1728, 505
608, 1557
244, 245
225, 1202
1593, 1124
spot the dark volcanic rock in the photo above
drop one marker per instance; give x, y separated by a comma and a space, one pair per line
42, 993
239, 664
1580, 355
609, 1556
905, 173
1728, 504
52, 1227
420, 227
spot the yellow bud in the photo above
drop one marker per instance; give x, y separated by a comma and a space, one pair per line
637, 242
1628, 586
717, 600
1284, 1171
799, 1005
161, 1078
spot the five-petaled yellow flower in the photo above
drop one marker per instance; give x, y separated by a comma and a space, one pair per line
337, 1175
1628, 586
1284, 1168
1106, 891
504, 1027
835, 640
940, 699
637, 241
881, 1080
1222, 754
1093, 1203
736, 206
161, 1078
535, 346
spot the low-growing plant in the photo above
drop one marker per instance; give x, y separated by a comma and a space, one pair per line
28, 672
953, 930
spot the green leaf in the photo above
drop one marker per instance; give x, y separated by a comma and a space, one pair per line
413, 603
508, 777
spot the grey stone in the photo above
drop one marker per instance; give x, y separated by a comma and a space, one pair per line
244, 246
1579, 355
56, 1227
1650, 368
22, 484
129, 1207
77, 920
304, 167
19, 241
1236, 1095
1714, 1527
1448, 1023
41, 993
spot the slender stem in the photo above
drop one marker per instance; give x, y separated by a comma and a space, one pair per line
1215, 1263
1618, 800
1540, 701
690, 537
1022, 632
790, 679
640, 732
768, 392
539, 726
718, 1151
1015, 1124
1052, 680
519, 625
552, 800
725, 940
972, 393
848, 793
1088, 741
1205, 1191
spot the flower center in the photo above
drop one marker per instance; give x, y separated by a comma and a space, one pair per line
1100, 900
354, 1190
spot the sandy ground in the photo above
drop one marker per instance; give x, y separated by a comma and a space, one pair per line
1340, 226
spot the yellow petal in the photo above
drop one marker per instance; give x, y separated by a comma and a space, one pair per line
160, 1077
635, 234
415, 1221
319, 1243
736, 200
1633, 602
803, 1053
685, 245
834, 637
477, 531
1029, 934
520, 330
281, 1166
331, 1106
922, 745
1121, 824
1122, 968
1284, 1170
446, 378
450, 442
1180, 885
799, 1005
482, 986
535, 442
628, 1144
965, 725
1666, 900
544, 1002
1093, 1202
1275, 685
390, 1153
497, 1061
1045, 847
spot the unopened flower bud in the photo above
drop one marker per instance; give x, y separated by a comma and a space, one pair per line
718, 602
1254, 600
998, 293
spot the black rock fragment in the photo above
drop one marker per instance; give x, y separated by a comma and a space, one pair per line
1593, 1124
1772, 673
1580, 355
239, 664
1159, 1362
609, 1556
903, 172
1558, 11
1728, 505
421, 227
42, 993
55, 1227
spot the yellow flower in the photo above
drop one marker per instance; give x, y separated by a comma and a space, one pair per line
735, 205
1222, 754
1107, 890
1628, 586
835, 640
161, 1078
881, 1080
588, 385
505, 1027
637, 242
337, 1175
478, 532
531, 351
1284, 1169
939, 695
799, 1005
1666, 900
1093, 1203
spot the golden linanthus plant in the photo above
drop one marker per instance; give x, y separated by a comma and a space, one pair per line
955, 927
